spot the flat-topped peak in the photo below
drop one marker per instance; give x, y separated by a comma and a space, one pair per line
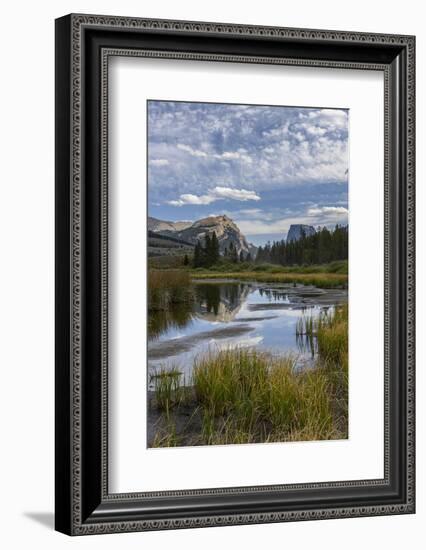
297, 230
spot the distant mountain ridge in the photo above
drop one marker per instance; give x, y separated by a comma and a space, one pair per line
226, 230
160, 225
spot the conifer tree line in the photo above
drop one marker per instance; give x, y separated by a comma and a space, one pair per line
323, 247
231, 254
207, 255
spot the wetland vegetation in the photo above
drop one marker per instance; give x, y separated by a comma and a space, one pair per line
243, 395
256, 357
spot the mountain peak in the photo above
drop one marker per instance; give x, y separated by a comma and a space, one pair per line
297, 230
226, 230
213, 220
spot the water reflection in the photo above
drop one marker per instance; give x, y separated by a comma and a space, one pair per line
306, 343
229, 314
219, 302
161, 321
274, 295
212, 302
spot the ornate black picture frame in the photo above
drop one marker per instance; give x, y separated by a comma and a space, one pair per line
83, 45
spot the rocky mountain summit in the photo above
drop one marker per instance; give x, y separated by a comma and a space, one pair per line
297, 230
226, 230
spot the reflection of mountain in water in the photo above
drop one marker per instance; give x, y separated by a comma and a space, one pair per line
212, 302
234, 314
220, 303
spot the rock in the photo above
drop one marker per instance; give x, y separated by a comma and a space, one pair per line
226, 232
297, 230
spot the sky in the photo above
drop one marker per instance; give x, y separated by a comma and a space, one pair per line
266, 167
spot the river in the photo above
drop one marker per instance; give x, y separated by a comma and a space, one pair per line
226, 314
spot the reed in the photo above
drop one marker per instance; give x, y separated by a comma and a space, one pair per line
168, 288
333, 336
245, 396
263, 394
168, 387
331, 332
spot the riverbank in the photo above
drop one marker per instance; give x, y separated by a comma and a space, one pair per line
249, 396
331, 275
319, 280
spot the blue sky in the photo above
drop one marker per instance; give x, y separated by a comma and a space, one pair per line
266, 167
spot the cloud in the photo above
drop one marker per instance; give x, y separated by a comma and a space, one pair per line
315, 130
226, 155
250, 212
315, 216
262, 148
328, 210
215, 194
159, 162
236, 194
189, 198
190, 150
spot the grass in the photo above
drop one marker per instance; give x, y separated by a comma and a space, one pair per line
337, 266
320, 280
167, 288
243, 395
166, 436
250, 396
331, 332
168, 261
169, 391
332, 275
246, 396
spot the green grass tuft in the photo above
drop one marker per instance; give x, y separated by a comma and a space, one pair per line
169, 390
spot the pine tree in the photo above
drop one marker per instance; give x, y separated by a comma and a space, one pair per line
322, 247
233, 253
185, 260
208, 250
198, 255
214, 252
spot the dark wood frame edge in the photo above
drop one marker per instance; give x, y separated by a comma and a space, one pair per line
82, 506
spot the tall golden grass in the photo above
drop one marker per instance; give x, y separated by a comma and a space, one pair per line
249, 396
167, 288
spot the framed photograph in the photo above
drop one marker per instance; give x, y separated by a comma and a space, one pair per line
234, 274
